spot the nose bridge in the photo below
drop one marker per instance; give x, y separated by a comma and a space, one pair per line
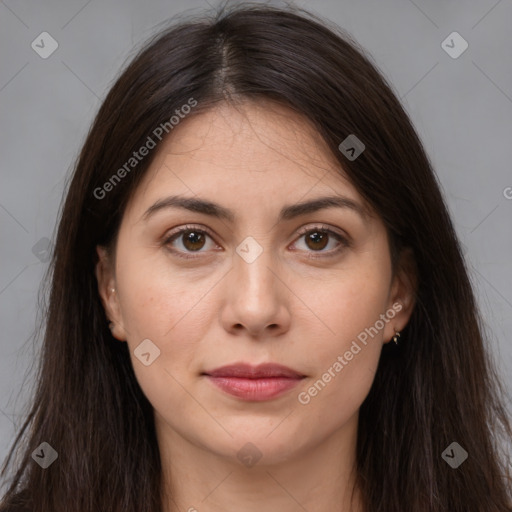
253, 262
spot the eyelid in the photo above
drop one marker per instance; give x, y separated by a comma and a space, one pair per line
320, 227
179, 230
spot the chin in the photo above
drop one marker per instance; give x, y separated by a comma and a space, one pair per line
257, 443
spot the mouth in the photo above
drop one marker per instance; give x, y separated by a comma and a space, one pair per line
254, 383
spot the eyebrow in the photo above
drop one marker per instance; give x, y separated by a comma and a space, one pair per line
288, 212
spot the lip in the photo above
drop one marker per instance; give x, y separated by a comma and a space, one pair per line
254, 383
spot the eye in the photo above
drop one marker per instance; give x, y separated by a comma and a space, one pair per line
318, 237
193, 239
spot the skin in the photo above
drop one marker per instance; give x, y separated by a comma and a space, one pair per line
218, 309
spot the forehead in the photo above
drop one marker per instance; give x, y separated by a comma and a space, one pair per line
254, 152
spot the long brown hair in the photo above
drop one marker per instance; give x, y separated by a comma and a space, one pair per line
438, 386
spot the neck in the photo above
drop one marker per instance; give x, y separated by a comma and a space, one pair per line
318, 478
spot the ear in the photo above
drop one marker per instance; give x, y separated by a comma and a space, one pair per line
402, 298
108, 293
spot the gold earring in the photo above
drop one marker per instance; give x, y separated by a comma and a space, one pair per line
395, 337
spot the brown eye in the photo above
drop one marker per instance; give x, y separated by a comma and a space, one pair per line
187, 240
317, 240
193, 239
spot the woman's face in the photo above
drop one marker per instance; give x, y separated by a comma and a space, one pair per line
251, 287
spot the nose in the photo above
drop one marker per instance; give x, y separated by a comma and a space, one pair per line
257, 298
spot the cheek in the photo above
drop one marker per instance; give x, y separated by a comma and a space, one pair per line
172, 308
165, 308
346, 304
346, 354
334, 397
342, 365
156, 298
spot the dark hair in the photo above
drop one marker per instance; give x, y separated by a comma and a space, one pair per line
438, 386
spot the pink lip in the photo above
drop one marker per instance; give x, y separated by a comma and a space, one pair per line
254, 383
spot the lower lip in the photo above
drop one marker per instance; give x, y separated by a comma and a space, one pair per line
255, 390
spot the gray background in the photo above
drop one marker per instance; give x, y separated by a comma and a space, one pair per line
462, 109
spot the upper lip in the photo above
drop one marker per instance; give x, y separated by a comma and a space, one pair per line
245, 370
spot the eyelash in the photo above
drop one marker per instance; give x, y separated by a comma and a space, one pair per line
344, 243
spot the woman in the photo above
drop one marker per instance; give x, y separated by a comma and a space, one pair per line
258, 300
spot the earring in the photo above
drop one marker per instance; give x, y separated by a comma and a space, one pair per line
395, 337
113, 290
111, 325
